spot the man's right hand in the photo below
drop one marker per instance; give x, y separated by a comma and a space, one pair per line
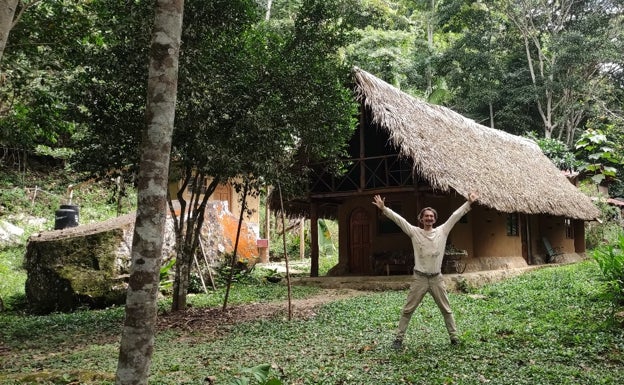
379, 202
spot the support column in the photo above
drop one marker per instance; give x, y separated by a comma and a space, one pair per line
314, 245
302, 238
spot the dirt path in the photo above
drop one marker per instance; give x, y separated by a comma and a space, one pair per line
215, 321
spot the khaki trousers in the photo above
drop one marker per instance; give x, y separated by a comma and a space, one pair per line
420, 286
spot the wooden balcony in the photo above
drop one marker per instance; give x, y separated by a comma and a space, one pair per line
363, 175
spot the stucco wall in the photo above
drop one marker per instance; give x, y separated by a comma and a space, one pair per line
460, 237
234, 202
490, 235
482, 233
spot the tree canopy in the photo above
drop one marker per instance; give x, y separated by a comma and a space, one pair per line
551, 68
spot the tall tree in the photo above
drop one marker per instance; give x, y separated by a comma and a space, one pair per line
280, 91
566, 43
36, 69
389, 39
475, 62
7, 11
137, 341
10, 13
9, 16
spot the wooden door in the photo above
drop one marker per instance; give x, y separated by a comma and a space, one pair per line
222, 193
359, 242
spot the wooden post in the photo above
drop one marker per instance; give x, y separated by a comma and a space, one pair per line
302, 238
362, 149
314, 246
267, 224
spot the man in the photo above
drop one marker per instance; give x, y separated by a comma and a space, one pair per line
429, 244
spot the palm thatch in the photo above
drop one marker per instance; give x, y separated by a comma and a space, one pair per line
510, 173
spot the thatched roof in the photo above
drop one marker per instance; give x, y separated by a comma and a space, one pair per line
510, 173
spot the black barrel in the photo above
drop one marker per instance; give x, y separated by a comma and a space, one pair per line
66, 216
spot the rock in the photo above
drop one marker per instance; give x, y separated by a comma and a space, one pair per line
219, 235
9, 232
80, 266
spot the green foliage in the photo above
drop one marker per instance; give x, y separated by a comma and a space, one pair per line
601, 156
108, 101
557, 151
328, 242
327, 245
326, 263
240, 273
35, 72
261, 375
166, 279
13, 277
607, 230
610, 258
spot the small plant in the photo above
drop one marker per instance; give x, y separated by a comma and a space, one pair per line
463, 286
610, 258
166, 280
273, 276
261, 374
242, 273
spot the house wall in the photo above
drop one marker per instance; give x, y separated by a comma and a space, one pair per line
410, 204
490, 237
482, 233
396, 241
225, 192
554, 229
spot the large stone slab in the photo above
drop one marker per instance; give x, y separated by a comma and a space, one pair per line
84, 266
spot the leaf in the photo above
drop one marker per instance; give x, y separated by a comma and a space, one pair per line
260, 372
598, 178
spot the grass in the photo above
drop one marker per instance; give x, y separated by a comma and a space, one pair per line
551, 326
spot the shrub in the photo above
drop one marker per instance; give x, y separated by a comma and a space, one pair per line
610, 258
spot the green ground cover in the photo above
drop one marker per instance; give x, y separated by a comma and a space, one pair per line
551, 326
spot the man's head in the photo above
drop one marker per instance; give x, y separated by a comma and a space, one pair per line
428, 215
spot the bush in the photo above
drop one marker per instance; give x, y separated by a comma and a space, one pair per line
610, 258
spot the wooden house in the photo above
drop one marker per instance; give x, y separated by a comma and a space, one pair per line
416, 155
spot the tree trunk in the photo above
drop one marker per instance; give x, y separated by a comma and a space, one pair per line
188, 234
137, 340
7, 12
430, 26
268, 12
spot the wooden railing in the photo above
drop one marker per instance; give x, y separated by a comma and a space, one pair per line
361, 174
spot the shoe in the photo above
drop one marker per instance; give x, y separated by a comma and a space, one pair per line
397, 345
455, 341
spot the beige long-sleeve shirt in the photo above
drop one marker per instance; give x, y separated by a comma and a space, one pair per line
428, 245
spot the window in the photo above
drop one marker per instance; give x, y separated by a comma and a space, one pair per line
569, 229
512, 225
200, 188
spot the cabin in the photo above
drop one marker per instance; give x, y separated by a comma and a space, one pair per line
416, 155
221, 231
225, 192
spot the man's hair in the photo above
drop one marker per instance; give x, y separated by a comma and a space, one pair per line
420, 214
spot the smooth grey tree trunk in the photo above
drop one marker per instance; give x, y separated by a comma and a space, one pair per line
7, 12
268, 12
137, 340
